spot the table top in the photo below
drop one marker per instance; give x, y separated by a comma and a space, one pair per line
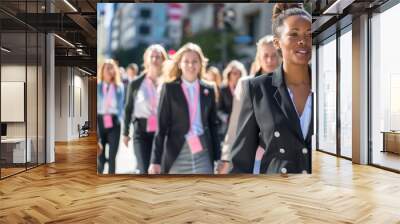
391, 132
13, 140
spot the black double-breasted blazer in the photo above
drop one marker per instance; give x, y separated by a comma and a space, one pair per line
268, 118
174, 124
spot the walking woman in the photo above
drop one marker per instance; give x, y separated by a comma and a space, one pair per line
265, 62
231, 75
110, 97
141, 106
186, 141
213, 77
276, 110
266, 59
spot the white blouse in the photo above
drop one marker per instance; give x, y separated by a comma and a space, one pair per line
142, 107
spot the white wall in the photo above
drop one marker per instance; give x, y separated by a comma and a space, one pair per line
61, 103
80, 96
14, 73
71, 93
11, 73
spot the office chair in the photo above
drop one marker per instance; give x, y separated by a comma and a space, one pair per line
84, 130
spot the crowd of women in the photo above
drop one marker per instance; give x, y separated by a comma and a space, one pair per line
189, 119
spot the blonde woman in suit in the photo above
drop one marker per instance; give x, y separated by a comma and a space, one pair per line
186, 141
265, 62
141, 105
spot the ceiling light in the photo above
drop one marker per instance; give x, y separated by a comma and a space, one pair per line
65, 41
70, 5
84, 71
338, 6
5, 50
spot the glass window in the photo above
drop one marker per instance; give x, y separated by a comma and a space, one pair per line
346, 94
31, 97
145, 13
327, 96
14, 150
22, 91
144, 29
314, 89
41, 99
385, 89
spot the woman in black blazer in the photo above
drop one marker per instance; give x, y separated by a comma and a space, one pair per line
265, 62
186, 141
231, 75
141, 106
277, 109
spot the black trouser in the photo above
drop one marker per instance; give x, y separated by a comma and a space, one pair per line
142, 145
110, 136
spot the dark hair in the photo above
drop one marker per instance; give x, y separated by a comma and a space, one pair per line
282, 11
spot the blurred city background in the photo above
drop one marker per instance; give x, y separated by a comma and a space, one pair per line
225, 31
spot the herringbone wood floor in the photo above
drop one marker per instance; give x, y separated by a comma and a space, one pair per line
70, 191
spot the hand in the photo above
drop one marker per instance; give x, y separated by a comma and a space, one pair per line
154, 169
223, 167
260, 153
126, 140
99, 149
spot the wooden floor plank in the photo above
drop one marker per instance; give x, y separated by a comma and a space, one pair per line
70, 191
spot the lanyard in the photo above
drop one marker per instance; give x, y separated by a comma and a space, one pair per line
192, 106
152, 94
108, 95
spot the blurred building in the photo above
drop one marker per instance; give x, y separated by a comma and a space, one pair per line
135, 24
201, 16
250, 21
104, 15
176, 13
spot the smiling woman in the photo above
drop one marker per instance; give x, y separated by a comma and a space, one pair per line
187, 118
277, 110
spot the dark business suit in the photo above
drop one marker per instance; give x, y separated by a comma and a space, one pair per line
225, 100
225, 109
173, 121
142, 140
268, 118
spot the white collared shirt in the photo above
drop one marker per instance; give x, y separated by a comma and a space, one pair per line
198, 125
142, 107
113, 109
305, 117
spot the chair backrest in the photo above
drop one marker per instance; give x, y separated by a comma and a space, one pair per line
86, 125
